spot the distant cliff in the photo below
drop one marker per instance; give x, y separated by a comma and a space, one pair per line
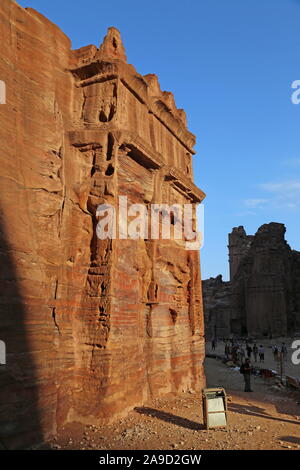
262, 297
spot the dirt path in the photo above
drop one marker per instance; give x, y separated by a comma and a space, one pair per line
265, 419
269, 362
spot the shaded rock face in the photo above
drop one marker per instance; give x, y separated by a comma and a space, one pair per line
92, 327
217, 307
239, 243
262, 297
264, 288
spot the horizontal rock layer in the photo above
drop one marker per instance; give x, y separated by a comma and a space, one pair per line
92, 327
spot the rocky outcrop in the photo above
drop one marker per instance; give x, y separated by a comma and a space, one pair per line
262, 297
239, 243
217, 303
92, 327
263, 288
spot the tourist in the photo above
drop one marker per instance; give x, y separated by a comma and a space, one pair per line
275, 352
230, 351
284, 351
246, 371
213, 344
238, 355
243, 354
261, 353
235, 353
249, 351
255, 352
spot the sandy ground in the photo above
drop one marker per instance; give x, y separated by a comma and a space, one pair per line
265, 419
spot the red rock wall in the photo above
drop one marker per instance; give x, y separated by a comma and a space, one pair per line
92, 328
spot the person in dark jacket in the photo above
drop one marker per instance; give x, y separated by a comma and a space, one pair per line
255, 352
246, 371
284, 351
227, 350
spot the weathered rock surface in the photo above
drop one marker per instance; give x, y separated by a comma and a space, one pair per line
263, 296
92, 327
217, 306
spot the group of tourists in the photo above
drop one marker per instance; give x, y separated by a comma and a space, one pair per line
279, 352
242, 351
239, 350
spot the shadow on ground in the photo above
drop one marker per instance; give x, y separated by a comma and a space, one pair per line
292, 439
170, 418
251, 410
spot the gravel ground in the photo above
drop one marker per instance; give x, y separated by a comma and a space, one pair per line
268, 418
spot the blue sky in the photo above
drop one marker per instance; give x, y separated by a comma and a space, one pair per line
230, 65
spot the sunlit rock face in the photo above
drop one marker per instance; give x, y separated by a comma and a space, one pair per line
92, 327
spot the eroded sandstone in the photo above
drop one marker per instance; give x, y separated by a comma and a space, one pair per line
92, 327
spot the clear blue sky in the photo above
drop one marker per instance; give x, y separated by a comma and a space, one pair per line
230, 65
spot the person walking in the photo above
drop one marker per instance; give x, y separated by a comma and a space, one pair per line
284, 351
245, 369
230, 350
275, 352
242, 354
213, 344
255, 352
249, 351
227, 351
261, 353
234, 354
238, 355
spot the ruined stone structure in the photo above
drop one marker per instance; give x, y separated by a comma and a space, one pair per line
92, 327
263, 296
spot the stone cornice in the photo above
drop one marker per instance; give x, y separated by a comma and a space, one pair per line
148, 157
187, 186
98, 71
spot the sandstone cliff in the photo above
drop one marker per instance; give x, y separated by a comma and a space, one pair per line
92, 327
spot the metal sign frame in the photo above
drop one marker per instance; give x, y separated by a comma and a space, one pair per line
218, 393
